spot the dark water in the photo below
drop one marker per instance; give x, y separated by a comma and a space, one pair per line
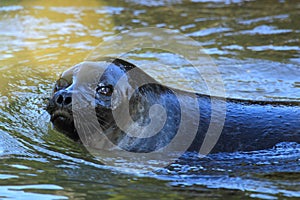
254, 43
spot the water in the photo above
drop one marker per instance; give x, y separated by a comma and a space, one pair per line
254, 43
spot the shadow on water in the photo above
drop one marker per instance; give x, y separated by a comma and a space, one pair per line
254, 43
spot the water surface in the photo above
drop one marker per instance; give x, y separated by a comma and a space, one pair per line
255, 44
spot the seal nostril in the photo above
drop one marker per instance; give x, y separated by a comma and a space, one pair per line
60, 99
68, 100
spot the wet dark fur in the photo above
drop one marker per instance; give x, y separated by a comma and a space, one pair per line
249, 125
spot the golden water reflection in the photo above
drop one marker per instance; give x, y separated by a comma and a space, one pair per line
40, 39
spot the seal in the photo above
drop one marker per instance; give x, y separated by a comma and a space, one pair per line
249, 125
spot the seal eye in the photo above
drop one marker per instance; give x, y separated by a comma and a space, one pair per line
106, 90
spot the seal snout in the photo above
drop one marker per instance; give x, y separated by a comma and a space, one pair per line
60, 110
63, 99
63, 121
61, 115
